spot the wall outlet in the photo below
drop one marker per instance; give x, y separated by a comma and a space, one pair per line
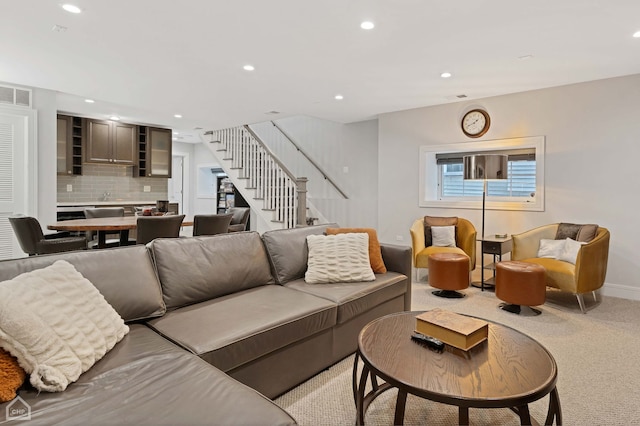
345, 169
147, 188
399, 238
69, 188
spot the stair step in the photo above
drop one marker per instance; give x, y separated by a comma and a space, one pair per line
277, 221
229, 158
269, 210
251, 187
220, 149
244, 177
261, 198
236, 168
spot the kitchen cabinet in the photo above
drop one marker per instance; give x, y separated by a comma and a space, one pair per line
110, 142
154, 152
70, 132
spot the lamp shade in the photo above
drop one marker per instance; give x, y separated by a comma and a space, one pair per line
485, 166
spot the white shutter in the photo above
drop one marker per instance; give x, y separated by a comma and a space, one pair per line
13, 143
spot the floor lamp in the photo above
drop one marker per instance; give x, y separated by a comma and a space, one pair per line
485, 167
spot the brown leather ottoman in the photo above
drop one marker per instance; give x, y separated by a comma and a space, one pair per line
520, 283
448, 272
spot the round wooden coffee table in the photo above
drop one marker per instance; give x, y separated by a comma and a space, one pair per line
508, 370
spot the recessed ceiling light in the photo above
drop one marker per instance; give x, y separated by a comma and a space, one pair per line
248, 68
72, 8
636, 34
89, 101
114, 118
445, 75
367, 25
177, 115
339, 97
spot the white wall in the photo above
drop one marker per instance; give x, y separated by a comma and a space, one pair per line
334, 146
592, 150
44, 101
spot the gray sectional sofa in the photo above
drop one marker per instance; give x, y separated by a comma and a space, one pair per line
217, 326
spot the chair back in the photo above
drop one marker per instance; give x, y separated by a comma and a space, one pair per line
102, 212
211, 224
28, 232
240, 218
151, 227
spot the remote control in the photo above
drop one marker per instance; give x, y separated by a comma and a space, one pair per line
431, 342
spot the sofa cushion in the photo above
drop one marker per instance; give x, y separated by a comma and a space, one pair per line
193, 270
57, 324
287, 250
338, 258
550, 248
375, 253
584, 233
132, 288
355, 298
443, 236
147, 380
238, 328
430, 221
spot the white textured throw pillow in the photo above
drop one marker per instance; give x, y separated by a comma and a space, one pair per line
338, 258
570, 250
550, 248
443, 236
57, 324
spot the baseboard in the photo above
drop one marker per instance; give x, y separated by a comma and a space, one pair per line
622, 291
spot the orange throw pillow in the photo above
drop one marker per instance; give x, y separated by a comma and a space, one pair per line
375, 255
11, 376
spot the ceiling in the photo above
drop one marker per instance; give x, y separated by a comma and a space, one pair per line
146, 60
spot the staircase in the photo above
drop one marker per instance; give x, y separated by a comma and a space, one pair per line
272, 191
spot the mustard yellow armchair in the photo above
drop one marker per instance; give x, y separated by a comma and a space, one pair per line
587, 275
465, 243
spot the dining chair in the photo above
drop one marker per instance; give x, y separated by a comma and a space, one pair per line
149, 228
33, 241
240, 218
90, 213
211, 224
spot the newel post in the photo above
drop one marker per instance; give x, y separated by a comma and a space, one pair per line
301, 189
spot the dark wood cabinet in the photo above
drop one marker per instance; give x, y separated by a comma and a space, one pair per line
69, 143
154, 152
110, 142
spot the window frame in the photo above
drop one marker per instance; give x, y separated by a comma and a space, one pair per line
428, 195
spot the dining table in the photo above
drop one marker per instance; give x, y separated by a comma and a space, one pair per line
103, 226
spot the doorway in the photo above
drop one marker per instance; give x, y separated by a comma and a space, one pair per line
178, 184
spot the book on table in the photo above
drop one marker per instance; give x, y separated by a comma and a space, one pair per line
453, 329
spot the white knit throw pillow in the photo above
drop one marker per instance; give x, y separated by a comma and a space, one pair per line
57, 324
338, 258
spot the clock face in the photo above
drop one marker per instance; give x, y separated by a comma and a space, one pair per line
475, 123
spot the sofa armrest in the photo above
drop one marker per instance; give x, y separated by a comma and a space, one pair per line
591, 263
526, 244
398, 259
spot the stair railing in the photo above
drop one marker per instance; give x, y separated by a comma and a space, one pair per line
279, 190
313, 163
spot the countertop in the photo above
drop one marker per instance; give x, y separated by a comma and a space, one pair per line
70, 204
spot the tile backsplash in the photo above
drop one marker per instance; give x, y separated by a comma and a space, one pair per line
99, 180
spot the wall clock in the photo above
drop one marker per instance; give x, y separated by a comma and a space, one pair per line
475, 123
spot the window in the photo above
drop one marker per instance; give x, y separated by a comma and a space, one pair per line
442, 183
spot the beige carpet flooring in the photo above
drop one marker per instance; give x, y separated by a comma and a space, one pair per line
598, 357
